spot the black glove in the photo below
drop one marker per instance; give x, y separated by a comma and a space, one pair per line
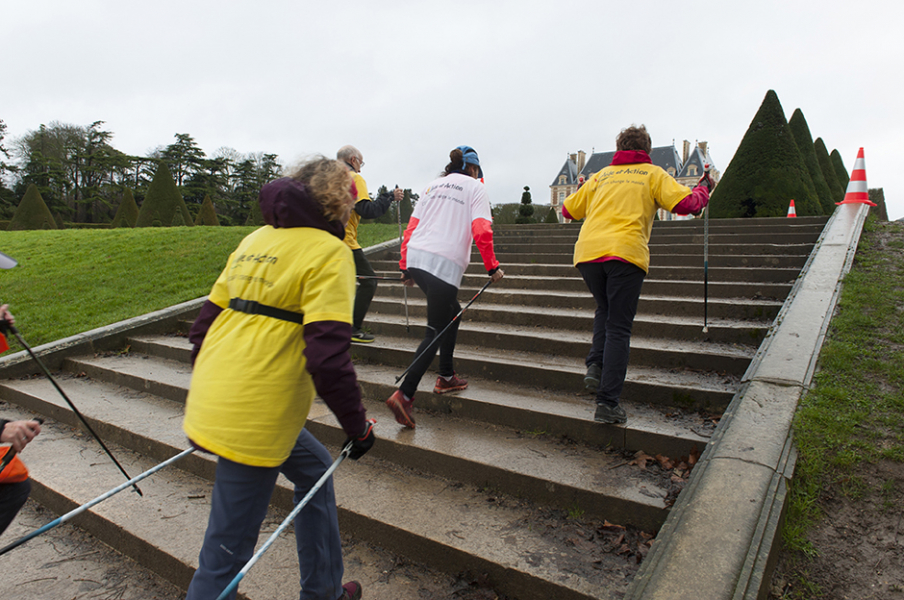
707, 181
358, 446
406, 276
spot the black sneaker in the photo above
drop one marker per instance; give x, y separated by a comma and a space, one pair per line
592, 378
361, 337
610, 414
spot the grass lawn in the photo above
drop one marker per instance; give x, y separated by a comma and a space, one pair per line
75, 280
849, 431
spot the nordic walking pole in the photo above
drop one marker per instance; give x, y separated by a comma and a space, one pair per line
282, 526
437, 337
705, 257
6, 326
98, 500
404, 287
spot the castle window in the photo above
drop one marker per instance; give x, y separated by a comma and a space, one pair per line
672, 171
561, 180
692, 170
561, 197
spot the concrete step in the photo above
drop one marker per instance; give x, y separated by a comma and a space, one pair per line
686, 259
656, 287
687, 328
377, 496
767, 274
728, 308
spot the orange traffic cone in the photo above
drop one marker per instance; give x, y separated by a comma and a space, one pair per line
857, 192
791, 211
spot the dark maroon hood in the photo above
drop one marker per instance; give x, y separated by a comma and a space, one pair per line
286, 203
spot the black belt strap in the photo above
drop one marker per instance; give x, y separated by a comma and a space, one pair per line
256, 308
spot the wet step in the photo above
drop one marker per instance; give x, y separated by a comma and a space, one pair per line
687, 327
466, 450
651, 352
685, 259
734, 308
683, 273
163, 529
526, 408
376, 497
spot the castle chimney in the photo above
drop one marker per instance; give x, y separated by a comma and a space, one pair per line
686, 151
582, 158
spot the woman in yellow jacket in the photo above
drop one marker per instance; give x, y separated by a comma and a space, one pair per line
618, 205
275, 329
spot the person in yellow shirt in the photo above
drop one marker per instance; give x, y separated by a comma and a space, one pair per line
618, 204
365, 208
274, 331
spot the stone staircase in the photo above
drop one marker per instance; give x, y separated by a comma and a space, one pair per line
508, 485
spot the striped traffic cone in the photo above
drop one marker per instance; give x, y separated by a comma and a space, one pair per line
857, 192
791, 211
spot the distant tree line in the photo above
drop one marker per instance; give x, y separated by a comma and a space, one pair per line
82, 178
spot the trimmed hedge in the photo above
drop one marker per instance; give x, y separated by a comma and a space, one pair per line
127, 213
840, 171
766, 172
207, 215
32, 212
804, 140
162, 202
822, 154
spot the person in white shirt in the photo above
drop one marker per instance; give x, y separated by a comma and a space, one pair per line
436, 250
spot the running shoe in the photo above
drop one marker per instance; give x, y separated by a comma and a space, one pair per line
402, 408
455, 384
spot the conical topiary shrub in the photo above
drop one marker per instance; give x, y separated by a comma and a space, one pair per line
801, 131
877, 197
840, 171
255, 217
825, 163
127, 213
32, 212
178, 219
162, 201
766, 172
207, 215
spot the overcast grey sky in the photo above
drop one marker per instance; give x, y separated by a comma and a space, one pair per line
523, 82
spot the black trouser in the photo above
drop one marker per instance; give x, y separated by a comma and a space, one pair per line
442, 306
615, 286
366, 288
12, 497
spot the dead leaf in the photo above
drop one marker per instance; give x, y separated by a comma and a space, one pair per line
641, 459
664, 462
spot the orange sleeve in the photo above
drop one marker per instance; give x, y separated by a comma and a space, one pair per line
482, 230
412, 225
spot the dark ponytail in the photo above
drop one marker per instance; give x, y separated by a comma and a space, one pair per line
456, 164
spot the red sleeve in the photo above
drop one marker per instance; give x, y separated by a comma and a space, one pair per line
693, 202
482, 230
412, 225
197, 333
329, 363
566, 214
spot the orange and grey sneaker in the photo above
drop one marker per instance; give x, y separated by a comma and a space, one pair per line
453, 384
402, 408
